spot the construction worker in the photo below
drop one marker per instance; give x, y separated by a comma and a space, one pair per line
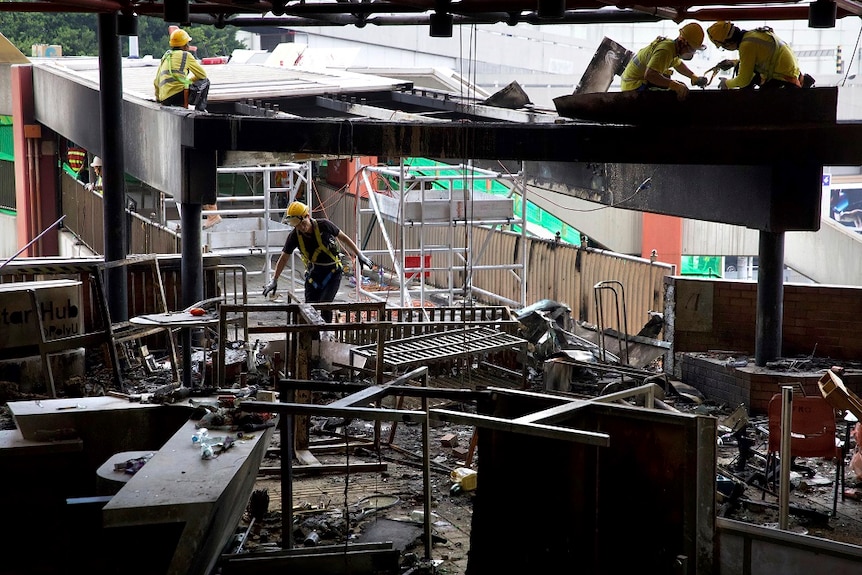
765, 60
96, 186
651, 67
318, 244
180, 71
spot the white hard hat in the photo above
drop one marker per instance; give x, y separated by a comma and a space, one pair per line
97, 162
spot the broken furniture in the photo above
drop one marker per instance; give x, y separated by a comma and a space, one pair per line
77, 317
151, 290
812, 434
585, 458
185, 321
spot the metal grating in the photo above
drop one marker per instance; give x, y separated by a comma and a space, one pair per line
440, 346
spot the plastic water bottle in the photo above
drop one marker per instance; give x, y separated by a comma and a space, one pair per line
200, 437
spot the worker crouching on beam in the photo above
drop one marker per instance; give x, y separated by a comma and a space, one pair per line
651, 67
765, 60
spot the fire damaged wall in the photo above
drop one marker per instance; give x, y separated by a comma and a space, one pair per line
705, 314
643, 504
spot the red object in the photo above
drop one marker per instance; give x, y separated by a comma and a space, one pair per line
214, 60
416, 262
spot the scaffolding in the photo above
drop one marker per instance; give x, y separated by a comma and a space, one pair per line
256, 225
442, 196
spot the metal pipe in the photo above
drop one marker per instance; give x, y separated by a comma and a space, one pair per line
770, 298
31, 242
31, 177
784, 454
37, 180
113, 179
426, 472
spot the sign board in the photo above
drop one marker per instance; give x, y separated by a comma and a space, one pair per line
58, 304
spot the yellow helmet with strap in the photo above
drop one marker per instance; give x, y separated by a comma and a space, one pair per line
693, 34
297, 210
719, 32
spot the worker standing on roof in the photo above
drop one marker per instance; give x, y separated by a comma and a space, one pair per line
765, 60
651, 67
318, 244
179, 71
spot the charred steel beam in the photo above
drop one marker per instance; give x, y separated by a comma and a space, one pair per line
758, 13
406, 18
98, 6
832, 145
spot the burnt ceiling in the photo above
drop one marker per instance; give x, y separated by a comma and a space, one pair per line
298, 13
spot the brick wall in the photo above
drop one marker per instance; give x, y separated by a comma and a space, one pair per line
721, 315
750, 385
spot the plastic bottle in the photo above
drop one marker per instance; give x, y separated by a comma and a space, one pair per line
200, 436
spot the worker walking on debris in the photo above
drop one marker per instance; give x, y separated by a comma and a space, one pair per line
765, 61
651, 67
318, 243
172, 78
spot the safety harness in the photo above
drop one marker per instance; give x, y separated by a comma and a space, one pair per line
310, 261
171, 75
776, 44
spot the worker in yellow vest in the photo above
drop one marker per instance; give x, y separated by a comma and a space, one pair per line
179, 71
318, 242
765, 60
651, 67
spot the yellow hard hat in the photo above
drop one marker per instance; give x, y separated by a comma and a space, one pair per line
297, 210
180, 38
693, 34
719, 32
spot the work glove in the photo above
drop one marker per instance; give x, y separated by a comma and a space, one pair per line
364, 261
270, 287
679, 88
699, 81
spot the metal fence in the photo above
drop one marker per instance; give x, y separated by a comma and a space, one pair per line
555, 270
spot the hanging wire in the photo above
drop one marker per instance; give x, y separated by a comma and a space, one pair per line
644, 186
852, 57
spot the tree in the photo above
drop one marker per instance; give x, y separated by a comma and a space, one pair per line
77, 34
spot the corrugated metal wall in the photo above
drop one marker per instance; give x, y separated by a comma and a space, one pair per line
560, 272
556, 271
714, 239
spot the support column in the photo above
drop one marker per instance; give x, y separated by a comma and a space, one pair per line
113, 180
191, 271
199, 187
770, 298
23, 111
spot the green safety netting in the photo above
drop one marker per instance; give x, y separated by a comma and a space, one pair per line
705, 266
7, 147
